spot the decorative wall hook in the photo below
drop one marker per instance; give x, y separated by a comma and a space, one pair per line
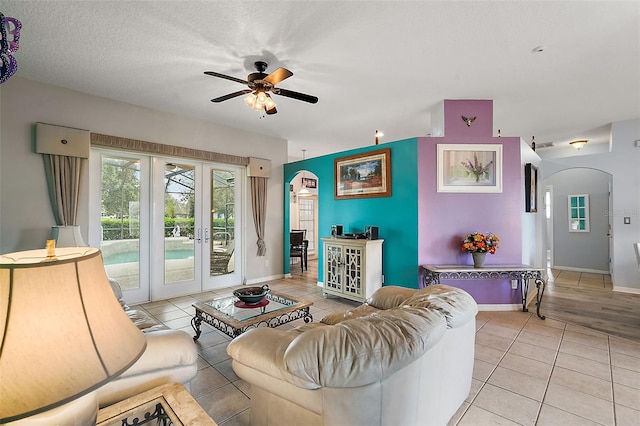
468, 120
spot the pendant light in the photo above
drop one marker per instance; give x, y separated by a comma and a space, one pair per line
304, 192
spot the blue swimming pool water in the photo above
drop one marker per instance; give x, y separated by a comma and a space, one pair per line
134, 256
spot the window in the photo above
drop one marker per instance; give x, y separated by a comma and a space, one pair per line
306, 211
579, 213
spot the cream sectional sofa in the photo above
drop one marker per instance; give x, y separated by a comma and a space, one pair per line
405, 357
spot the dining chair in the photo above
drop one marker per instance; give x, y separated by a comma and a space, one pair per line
298, 247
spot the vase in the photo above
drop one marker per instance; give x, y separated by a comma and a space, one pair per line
478, 259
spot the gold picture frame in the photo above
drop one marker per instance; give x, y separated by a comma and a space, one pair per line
363, 175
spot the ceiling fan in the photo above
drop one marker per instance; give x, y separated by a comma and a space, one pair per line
259, 85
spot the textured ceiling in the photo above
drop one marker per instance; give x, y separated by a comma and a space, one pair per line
374, 65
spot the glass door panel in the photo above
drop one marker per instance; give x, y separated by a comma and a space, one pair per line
124, 222
222, 242
179, 221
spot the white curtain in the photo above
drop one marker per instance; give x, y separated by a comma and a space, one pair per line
259, 208
63, 180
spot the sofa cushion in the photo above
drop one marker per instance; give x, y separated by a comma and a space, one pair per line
363, 350
360, 311
390, 296
455, 304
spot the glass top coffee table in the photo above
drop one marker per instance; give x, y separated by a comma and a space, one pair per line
233, 317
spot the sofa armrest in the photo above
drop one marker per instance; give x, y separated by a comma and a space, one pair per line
165, 349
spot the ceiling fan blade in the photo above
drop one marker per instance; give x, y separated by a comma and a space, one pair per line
231, 95
272, 111
228, 77
295, 95
278, 75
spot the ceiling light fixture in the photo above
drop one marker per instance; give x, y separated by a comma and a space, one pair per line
260, 101
578, 144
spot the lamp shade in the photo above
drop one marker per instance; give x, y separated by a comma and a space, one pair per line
63, 331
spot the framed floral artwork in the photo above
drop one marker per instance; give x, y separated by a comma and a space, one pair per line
469, 168
363, 175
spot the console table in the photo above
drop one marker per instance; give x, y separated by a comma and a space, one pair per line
432, 274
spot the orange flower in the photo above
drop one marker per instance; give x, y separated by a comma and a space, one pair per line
480, 243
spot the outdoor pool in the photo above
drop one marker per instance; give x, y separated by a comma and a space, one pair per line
134, 256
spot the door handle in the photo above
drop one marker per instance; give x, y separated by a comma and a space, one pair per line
199, 235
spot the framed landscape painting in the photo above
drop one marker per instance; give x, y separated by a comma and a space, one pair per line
469, 168
363, 175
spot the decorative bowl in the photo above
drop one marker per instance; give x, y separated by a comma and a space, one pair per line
252, 295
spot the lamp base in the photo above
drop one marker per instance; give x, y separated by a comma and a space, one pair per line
67, 236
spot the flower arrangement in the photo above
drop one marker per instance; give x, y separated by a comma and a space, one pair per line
476, 168
480, 243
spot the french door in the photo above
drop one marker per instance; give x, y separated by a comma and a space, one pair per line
167, 227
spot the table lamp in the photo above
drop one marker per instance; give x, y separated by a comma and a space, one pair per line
63, 333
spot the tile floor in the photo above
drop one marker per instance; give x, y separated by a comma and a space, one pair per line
527, 371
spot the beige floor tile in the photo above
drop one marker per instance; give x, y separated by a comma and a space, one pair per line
224, 403
507, 404
626, 416
536, 339
584, 330
541, 327
482, 370
588, 352
500, 331
240, 419
162, 308
552, 416
627, 396
476, 385
626, 377
178, 323
458, 414
591, 283
531, 367
171, 315
519, 383
549, 322
534, 352
488, 354
583, 365
625, 361
591, 276
493, 341
580, 404
207, 380
598, 342
582, 382
624, 347
476, 416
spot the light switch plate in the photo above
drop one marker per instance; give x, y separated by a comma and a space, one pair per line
627, 220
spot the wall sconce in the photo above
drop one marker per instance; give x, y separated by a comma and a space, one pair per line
578, 144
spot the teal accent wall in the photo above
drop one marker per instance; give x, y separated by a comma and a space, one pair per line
396, 216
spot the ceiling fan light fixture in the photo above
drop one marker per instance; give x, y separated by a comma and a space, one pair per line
251, 100
578, 144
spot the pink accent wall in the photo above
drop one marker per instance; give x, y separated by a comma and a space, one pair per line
444, 219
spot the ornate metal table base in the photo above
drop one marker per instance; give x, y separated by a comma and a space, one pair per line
296, 309
432, 274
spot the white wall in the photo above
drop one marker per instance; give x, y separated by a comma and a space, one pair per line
25, 213
623, 163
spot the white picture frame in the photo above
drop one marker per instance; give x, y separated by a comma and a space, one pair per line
467, 168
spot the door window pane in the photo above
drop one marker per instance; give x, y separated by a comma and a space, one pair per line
306, 220
120, 219
579, 213
179, 217
222, 218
